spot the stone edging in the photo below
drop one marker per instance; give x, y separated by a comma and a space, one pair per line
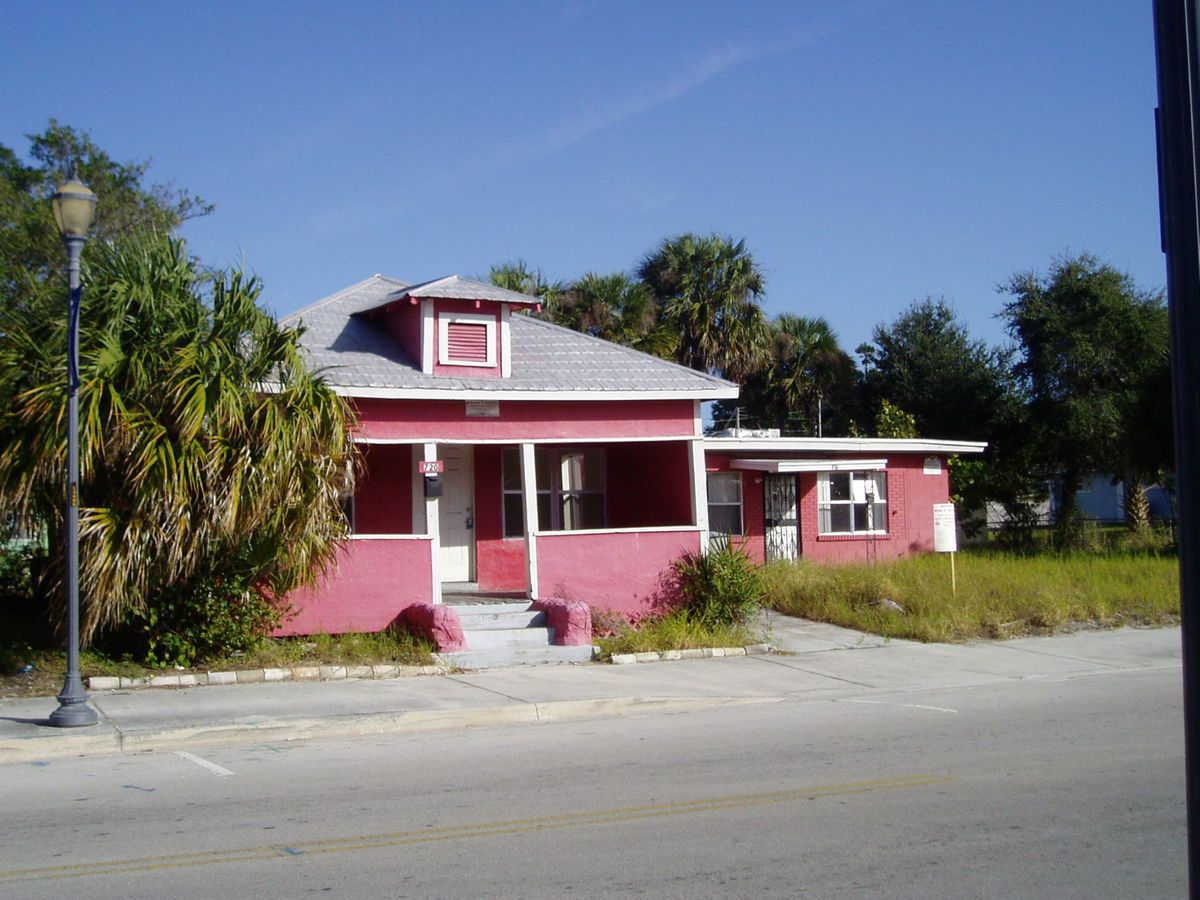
342, 673
624, 659
258, 676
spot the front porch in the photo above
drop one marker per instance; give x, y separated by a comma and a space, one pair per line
597, 522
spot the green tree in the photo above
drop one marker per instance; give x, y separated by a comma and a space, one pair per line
1093, 352
207, 447
894, 422
708, 290
31, 252
926, 363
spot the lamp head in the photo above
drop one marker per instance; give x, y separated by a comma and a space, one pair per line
74, 208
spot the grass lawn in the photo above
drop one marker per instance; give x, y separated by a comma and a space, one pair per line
29, 671
999, 595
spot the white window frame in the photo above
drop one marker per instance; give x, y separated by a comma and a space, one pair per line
735, 477
554, 492
874, 486
444, 322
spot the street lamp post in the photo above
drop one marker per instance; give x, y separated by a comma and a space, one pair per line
74, 206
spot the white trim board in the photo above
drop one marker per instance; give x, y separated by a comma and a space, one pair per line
785, 466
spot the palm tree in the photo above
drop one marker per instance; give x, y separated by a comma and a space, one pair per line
204, 436
517, 276
708, 290
616, 308
806, 363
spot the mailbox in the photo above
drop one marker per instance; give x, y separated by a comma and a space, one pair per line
433, 485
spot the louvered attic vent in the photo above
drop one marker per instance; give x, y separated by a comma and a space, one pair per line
467, 342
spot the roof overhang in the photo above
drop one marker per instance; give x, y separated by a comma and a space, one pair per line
743, 446
382, 393
786, 466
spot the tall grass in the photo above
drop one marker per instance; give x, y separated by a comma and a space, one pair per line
673, 631
998, 594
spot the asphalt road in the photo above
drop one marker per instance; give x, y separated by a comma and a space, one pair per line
1056, 787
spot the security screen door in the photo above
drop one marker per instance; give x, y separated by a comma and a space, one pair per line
782, 522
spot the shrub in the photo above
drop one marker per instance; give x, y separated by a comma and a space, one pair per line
721, 587
213, 615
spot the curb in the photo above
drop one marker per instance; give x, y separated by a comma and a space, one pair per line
625, 659
115, 742
258, 676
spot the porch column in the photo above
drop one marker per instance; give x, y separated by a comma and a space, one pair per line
699, 490
529, 507
429, 453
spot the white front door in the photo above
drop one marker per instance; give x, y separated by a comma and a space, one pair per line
456, 514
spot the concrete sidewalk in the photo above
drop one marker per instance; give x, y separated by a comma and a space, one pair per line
816, 662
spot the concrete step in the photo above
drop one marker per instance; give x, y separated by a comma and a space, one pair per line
529, 656
472, 609
516, 638
483, 619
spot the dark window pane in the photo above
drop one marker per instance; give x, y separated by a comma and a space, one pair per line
514, 516
541, 465
839, 517
860, 517
593, 511
544, 520
593, 470
511, 457
839, 486
725, 519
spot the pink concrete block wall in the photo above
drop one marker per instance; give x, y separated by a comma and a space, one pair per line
370, 583
616, 571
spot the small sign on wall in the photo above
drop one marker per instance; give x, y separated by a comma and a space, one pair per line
483, 409
431, 466
945, 532
933, 465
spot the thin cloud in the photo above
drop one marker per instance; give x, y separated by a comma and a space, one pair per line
574, 129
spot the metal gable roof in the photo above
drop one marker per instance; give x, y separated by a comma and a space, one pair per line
358, 357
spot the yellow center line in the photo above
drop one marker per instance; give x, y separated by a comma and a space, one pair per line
470, 830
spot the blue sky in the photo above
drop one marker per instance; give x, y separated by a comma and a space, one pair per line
869, 153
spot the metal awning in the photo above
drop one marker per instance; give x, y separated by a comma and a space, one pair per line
777, 466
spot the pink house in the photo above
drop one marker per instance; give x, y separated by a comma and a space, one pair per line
507, 456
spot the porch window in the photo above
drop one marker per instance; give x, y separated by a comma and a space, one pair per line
571, 489
852, 503
725, 503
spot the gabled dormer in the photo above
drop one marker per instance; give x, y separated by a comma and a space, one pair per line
454, 326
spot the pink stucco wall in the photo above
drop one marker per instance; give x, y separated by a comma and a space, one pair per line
523, 420
617, 571
371, 581
403, 322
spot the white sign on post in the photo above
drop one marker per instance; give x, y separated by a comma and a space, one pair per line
945, 532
